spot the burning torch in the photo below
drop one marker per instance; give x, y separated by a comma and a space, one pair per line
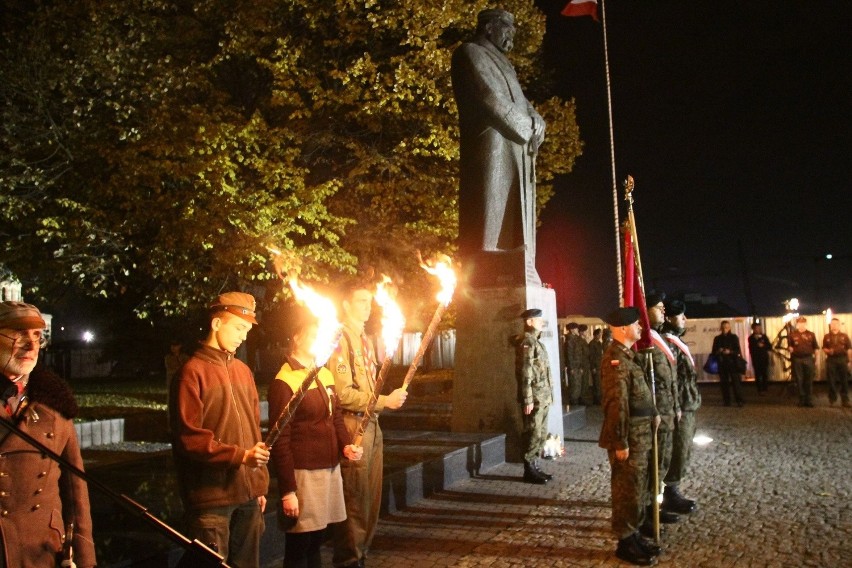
393, 323
443, 269
329, 331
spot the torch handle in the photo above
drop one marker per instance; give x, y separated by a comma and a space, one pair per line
374, 398
291, 406
424, 344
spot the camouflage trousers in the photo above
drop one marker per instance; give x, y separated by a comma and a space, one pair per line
681, 448
629, 483
535, 432
665, 443
576, 380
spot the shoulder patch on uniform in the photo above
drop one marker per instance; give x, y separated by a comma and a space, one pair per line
342, 368
615, 362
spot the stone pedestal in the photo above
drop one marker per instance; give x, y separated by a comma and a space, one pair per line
485, 390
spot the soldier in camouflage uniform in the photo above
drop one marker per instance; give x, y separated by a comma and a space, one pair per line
576, 363
535, 393
626, 434
596, 350
667, 400
690, 401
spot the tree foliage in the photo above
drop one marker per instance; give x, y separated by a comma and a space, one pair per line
152, 148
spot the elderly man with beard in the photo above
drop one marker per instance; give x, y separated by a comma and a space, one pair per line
38, 500
690, 401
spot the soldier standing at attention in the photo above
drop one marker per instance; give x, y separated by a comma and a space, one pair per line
838, 353
667, 400
803, 347
535, 393
596, 350
353, 365
690, 401
626, 434
576, 360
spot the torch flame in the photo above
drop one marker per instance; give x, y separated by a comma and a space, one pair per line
828, 315
326, 313
442, 267
393, 322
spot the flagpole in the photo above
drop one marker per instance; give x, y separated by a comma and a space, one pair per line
617, 225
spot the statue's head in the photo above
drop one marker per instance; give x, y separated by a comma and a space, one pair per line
498, 26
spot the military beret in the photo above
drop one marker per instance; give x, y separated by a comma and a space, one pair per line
531, 313
654, 298
18, 315
573, 325
238, 303
801, 319
674, 307
622, 316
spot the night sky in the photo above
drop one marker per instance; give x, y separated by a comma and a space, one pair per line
733, 118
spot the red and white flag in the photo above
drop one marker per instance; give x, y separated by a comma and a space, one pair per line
581, 8
634, 295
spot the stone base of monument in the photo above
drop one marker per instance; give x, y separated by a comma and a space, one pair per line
419, 463
485, 390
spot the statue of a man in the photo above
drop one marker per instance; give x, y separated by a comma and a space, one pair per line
500, 136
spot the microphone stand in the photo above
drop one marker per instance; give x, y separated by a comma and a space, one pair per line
196, 555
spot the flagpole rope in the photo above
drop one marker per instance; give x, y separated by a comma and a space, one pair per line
612, 162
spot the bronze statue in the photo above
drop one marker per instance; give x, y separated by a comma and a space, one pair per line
500, 136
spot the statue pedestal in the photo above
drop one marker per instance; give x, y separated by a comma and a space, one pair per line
485, 391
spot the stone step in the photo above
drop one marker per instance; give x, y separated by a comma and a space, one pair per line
418, 463
574, 419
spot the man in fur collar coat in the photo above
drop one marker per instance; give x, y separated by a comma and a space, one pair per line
38, 501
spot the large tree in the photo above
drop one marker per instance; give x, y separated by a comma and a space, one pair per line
153, 148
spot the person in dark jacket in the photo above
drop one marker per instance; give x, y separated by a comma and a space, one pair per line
306, 457
39, 501
215, 423
726, 346
759, 347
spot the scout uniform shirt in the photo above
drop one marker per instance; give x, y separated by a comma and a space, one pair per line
353, 365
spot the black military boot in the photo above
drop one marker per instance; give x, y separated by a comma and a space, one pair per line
546, 476
649, 545
668, 518
531, 475
630, 550
674, 502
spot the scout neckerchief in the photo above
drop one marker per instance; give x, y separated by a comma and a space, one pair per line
326, 396
12, 395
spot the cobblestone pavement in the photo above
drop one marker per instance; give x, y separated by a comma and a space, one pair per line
773, 490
